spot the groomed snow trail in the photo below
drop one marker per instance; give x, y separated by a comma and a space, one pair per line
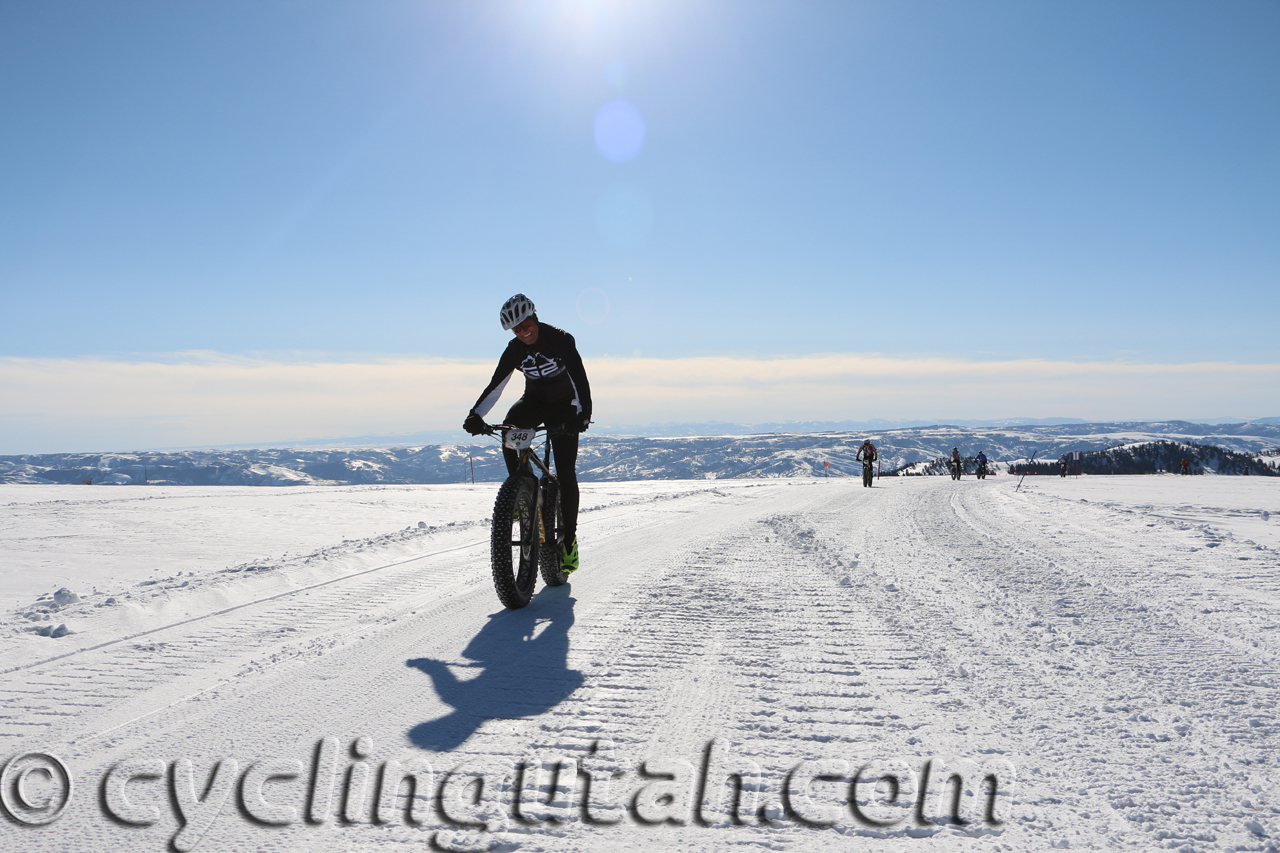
1120, 663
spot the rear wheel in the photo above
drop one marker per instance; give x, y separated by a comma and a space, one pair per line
866, 475
513, 544
553, 573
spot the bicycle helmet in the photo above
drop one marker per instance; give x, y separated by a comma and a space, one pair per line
515, 311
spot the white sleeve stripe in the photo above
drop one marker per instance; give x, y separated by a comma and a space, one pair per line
483, 407
577, 405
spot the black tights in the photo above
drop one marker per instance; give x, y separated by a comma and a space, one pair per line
529, 413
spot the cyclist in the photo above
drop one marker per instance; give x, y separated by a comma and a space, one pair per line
556, 391
956, 463
982, 465
866, 454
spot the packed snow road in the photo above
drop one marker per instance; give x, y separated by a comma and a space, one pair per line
795, 665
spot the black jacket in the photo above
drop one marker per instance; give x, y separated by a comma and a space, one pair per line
552, 369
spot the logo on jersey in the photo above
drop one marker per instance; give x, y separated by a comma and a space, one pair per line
538, 366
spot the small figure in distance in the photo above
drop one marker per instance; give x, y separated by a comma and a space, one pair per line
982, 465
867, 455
556, 391
957, 464
1063, 464
1185, 470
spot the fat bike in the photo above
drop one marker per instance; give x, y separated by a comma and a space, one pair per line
527, 522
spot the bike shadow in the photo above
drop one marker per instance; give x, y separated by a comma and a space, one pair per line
523, 655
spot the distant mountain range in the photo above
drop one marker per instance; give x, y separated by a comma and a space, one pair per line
673, 429
875, 424
608, 457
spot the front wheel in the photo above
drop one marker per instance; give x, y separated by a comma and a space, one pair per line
513, 544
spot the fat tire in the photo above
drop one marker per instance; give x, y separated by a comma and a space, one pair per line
514, 579
553, 573
866, 475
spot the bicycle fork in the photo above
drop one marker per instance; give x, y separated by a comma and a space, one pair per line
542, 530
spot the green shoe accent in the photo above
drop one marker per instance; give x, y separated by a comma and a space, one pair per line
569, 557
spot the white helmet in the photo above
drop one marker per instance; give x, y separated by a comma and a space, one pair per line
516, 310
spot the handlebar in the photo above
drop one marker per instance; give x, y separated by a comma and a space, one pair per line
552, 430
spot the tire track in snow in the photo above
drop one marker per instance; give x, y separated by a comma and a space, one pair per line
369, 669
165, 664
170, 660
1082, 652
750, 637
130, 679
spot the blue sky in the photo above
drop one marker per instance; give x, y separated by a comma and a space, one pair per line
362, 182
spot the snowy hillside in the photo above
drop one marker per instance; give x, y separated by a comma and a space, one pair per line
619, 458
1158, 457
1148, 457
778, 664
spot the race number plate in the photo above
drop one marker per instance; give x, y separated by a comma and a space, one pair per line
518, 439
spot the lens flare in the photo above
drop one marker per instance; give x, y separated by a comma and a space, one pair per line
619, 130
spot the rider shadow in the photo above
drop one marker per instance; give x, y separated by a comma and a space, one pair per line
524, 671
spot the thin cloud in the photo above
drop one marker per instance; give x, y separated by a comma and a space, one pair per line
207, 398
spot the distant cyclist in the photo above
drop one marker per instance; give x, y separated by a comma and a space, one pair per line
982, 465
867, 455
957, 464
556, 392
1063, 465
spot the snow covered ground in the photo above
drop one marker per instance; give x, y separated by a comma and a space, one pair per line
1095, 657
